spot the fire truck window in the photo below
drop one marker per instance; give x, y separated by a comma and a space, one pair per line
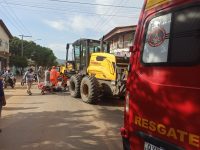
185, 47
157, 40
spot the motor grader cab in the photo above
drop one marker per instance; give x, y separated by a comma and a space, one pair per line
70, 60
97, 73
61, 69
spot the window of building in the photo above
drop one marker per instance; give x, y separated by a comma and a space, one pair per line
6, 45
120, 42
128, 39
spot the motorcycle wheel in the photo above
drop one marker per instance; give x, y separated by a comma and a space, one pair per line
42, 92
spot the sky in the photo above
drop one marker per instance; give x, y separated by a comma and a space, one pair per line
54, 23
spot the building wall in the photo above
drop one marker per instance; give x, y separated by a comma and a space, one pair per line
4, 47
121, 43
4, 40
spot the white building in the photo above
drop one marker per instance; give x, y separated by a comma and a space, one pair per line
120, 39
5, 36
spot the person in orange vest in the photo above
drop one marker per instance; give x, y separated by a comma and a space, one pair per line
54, 74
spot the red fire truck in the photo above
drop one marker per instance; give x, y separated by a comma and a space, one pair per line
162, 110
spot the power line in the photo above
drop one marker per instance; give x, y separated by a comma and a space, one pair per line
61, 5
102, 26
16, 17
22, 52
61, 10
11, 21
94, 4
99, 24
13, 17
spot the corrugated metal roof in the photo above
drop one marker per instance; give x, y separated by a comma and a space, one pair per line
117, 30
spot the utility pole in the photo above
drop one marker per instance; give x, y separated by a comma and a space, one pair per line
101, 44
22, 51
30, 43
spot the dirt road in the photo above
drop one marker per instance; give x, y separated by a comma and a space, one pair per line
59, 122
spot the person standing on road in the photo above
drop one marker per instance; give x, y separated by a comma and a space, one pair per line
2, 100
47, 77
47, 81
54, 74
29, 78
40, 74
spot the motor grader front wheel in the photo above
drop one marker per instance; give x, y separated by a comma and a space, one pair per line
89, 89
74, 86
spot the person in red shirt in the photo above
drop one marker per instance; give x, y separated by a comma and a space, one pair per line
54, 74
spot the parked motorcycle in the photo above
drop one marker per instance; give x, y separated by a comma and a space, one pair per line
9, 81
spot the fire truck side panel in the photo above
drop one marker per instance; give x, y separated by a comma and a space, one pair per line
163, 86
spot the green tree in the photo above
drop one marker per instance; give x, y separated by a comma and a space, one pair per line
18, 61
15, 46
42, 56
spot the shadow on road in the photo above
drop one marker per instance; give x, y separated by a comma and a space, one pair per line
62, 130
24, 94
18, 108
36, 103
114, 102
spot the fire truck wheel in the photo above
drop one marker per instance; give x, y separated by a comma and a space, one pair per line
89, 89
74, 85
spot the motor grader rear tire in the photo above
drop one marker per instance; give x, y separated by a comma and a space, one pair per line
74, 86
90, 90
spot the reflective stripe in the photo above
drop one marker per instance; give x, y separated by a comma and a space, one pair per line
153, 3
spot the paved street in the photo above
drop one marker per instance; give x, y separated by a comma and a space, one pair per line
59, 122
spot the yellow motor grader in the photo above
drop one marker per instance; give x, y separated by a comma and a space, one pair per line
95, 73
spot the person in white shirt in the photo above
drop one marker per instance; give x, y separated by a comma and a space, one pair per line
47, 77
29, 78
